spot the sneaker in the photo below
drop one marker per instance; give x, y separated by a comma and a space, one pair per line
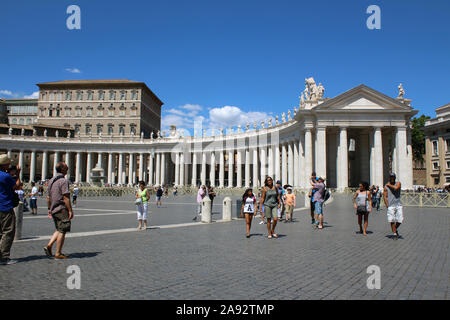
313, 221
8, 261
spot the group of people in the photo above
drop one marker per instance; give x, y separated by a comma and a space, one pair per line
58, 203
203, 192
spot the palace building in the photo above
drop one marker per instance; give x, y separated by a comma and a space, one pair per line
359, 135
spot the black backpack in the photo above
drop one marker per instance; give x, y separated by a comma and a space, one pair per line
326, 195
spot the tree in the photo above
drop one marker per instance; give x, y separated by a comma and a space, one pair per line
418, 137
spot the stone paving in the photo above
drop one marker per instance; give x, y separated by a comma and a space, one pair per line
216, 261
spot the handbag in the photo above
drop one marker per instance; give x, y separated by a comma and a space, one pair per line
138, 201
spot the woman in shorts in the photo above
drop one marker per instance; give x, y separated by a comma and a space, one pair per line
362, 202
248, 208
270, 198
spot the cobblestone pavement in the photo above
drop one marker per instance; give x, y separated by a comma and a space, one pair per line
216, 261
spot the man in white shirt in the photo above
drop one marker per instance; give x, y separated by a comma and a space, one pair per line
33, 198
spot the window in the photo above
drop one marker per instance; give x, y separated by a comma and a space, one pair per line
21, 121
436, 180
121, 129
52, 96
50, 112
77, 128
123, 95
28, 121
43, 96
435, 165
133, 110
134, 95
447, 179
90, 95
447, 165
89, 112
447, 145
68, 95
14, 121
101, 95
99, 128
112, 95
58, 112
67, 112
434, 148
122, 110
59, 96
111, 110
88, 129
110, 129
77, 111
132, 128
79, 95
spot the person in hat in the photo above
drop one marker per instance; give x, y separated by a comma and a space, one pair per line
392, 193
281, 193
290, 203
8, 185
319, 197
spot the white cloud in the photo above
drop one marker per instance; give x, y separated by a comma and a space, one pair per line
73, 70
192, 107
34, 95
6, 92
232, 116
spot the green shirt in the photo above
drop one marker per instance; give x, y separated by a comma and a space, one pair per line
271, 199
143, 195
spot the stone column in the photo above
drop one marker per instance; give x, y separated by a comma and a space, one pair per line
378, 158
301, 161
158, 169
284, 176
163, 168
44, 166
194, 169
409, 181
9, 153
263, 165
89, 167
342, 160
32, 165
364, 156
255, 167
270, 161
177, 168
212, 171
203, 173
230, 168
247, 168
277, 163
110, 168
21, 164
290, 164
308, 157
141, 166
402, 159
321, 152
55, 161
69, 164
151, 174
182, 167
296, 164
78, 167
239, 169
221, 169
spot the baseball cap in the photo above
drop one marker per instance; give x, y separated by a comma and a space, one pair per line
392, 175
278, 182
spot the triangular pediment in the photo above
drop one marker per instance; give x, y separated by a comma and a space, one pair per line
362, 98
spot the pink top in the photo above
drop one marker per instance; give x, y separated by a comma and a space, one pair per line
200, 195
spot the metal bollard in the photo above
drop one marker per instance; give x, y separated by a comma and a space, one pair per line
226, 216
206, 210
18, 211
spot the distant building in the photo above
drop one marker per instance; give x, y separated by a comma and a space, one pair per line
100, 107
437, 132
20, 111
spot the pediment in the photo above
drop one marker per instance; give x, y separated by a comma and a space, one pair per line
362, 98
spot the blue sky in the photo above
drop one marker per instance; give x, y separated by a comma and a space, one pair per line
230, 61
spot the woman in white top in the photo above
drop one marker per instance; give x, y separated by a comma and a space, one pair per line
362, 202
248, 208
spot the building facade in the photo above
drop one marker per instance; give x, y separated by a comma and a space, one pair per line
437, 146
100, 107
359, 135
20, 111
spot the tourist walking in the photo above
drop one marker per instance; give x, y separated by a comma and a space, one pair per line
312, 204
290, 203
378, 195
392, 194
8, 201
33, 198
76, 190
248, 208
59, 209
318, 201
280, 209
270, 198
159, 194
142, 196
200, 195
362, 202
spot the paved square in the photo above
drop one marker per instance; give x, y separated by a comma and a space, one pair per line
216, 261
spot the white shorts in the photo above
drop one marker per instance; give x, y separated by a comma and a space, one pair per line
142, 210
395, 214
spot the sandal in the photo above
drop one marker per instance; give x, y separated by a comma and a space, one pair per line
275, 235
270, 237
